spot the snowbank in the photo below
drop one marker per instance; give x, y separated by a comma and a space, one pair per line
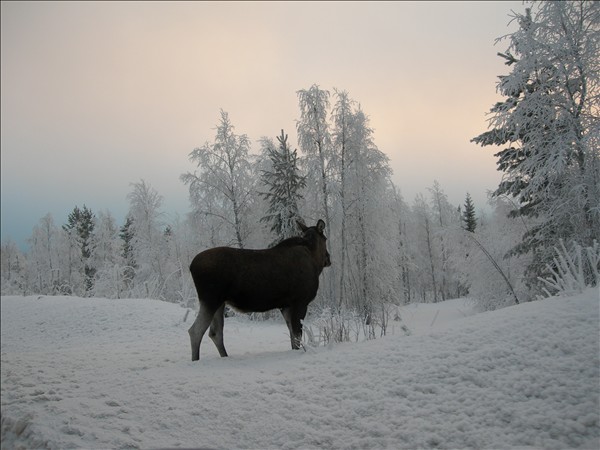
424, 318
97, 373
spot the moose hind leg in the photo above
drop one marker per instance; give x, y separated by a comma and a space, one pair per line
216, 330
199, 327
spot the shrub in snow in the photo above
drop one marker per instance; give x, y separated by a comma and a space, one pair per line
572, 270
334, 326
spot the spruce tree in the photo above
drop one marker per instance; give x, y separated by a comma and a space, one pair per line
284, 184
548, 126
127, 234
468, 215
80, 227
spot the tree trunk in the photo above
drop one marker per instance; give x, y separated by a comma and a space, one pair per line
428, 231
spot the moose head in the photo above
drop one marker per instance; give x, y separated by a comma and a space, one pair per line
317, 241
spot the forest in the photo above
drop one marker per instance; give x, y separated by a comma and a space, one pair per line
539, 235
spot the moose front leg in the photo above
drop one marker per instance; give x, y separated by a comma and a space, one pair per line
293, 318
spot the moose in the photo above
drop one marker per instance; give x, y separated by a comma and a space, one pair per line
285, 276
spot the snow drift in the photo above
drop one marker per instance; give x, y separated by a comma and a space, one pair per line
98, 373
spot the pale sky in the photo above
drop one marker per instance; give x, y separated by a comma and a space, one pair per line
97, 95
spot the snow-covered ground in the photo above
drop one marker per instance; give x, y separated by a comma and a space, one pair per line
97, 373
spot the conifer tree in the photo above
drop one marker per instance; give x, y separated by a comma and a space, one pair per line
80, 228
468, 215
284, 184
549, 126
127, 234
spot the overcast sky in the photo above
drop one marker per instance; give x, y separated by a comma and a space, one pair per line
97, 95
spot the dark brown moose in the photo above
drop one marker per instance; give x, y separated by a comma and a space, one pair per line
285, 276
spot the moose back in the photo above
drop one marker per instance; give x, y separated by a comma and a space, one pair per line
285, 276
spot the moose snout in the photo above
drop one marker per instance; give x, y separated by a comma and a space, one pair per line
327, 260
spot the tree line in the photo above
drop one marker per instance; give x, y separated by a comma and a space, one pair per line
384, 249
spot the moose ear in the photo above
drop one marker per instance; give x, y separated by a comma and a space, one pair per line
320, 226
300, 223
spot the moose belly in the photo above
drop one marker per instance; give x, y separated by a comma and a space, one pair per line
261, 299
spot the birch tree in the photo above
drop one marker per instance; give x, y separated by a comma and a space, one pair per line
367, 217
314, 140
222, 187
111, 269
427, 259
404, 262
12, 269
45, 274
446, 219
318, 162
440, 208
342, 117
147, 242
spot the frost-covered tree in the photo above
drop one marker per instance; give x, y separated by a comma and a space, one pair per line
179, 287
496, 279
284, 185
148, 242
367, 218
426, 254
403, 260
348, 186
444, 218
431, 252
126, 234
111, 270
549, 125
342, 116
314, 140
222, 187
44, 268
12, 269
319, 164
106, 240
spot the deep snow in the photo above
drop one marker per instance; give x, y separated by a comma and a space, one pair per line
98, 373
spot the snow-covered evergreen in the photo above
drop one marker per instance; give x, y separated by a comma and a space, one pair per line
79, 232
468, 215
549, 126
284, 186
